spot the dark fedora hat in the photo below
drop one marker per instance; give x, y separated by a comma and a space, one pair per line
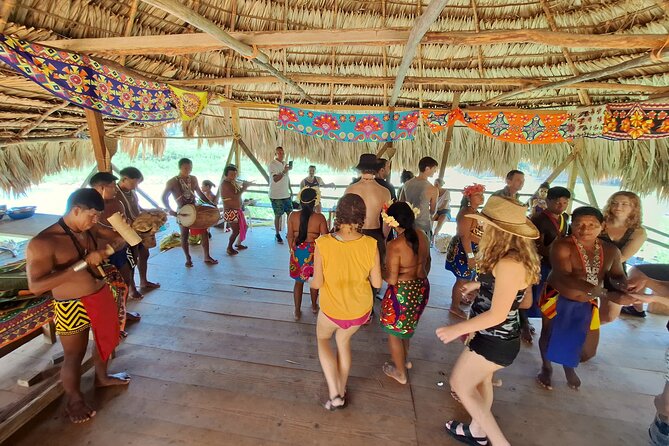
369, 161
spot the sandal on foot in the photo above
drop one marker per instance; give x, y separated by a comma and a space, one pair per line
211, 262
331, 406
232, 252
467, 436
189, 264
240, 246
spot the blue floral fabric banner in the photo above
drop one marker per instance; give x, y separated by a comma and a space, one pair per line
350, 127
84, 81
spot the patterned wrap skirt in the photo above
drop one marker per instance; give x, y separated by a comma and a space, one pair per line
456, 259
302, 262
402, 306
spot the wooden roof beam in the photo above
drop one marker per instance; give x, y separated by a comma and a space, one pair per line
568, 82
583, 95
258, 57
27, 129
386, 80
201, 42
420, 27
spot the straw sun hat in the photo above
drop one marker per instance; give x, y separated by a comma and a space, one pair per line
507, 215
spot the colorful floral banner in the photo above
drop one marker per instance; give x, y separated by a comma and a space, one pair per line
524, 127
636, 121
350, 127
85, 82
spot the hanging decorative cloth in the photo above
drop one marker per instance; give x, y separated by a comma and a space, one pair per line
350, 127
636, 121
88, 83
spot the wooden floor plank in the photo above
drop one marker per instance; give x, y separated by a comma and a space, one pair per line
217, 359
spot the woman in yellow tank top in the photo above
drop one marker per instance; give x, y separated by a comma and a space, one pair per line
346, 268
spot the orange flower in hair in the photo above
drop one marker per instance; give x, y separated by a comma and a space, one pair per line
473, 190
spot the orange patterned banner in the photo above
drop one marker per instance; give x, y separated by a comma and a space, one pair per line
524, 127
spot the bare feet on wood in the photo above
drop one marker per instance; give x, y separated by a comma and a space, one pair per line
79, 412
526, 335
148, 286
117, 379
136, 295
314, 309
544, 379
573, 381
189, 263
390, 370
297, 315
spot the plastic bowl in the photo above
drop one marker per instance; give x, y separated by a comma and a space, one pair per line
19, 213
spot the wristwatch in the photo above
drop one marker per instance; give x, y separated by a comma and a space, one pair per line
470, 255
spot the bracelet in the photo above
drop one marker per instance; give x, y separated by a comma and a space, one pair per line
470, 255
79, 266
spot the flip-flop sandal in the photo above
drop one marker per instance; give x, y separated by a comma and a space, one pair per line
467, 438
211, 262
189, 264
241, 247
232, 252
330, 405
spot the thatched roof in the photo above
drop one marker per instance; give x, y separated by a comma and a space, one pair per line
348, 52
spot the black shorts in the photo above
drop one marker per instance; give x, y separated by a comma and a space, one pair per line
500, 351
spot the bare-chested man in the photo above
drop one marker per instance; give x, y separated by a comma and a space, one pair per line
123, 260
375, 196
64, 259
231, 193
127, 186
573, 309
184, 188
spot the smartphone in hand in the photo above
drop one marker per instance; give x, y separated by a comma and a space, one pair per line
290, 164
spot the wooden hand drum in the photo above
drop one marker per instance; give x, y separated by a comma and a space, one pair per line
198, 217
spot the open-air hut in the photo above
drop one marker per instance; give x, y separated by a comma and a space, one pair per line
568, 85
348, 56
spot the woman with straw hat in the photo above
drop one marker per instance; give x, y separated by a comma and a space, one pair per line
507, 264
461, 251
304, 227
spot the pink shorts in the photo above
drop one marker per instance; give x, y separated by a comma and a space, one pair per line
348, 323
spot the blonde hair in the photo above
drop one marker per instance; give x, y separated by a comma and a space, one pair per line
634, 219
497, 244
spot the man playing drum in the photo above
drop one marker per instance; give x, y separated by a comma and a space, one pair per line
183, 188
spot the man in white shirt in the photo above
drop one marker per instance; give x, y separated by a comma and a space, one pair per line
279, 190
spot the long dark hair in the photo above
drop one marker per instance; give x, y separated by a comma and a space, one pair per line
307, 202
404, 215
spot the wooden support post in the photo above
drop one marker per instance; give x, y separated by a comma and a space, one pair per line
579, 144
97, 131
383, 149
49, 332
236, 129
571, 184
254, 160
449, 137
232, 152
561, 167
